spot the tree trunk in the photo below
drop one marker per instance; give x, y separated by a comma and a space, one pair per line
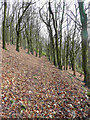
17, 42
10, 34
18, 36
56, 34
28, 41
37, 39
12, 39
52, 43
36, 46
67, 52
60, 59
84, 58
20, 40
4, 26
18, 27
84, 36
65, 55
40, 49
73, 58
31, 42
48, 52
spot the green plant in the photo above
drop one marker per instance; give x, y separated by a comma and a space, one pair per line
43, 54
23, 107
11, 101
88, 94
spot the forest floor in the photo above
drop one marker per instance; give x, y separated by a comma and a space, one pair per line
32, 87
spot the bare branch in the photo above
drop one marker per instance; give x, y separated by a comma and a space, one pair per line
74, 20
42, 17
1, 5
75, 17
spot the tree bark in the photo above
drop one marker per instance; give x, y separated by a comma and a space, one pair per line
65, 55
18, 26
56, 34
52, 43
28, 42
52, 46
31, 42
36, 47
40, 48
84, 36
4, 26
17, 42
67, 52
60, 59
18, 36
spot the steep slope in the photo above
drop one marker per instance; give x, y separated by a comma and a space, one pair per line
33, 87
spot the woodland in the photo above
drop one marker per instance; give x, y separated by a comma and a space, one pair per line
45, 59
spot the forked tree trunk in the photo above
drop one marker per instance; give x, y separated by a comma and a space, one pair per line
56, 34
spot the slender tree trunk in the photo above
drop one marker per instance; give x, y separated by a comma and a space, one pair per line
18, 36
24, 41
48, 52
17, 42
18, 27
52, 43
10, 34
12, 39
60, 59
56, 34
31, 42
37, 39
7, 34
67, 52
57, 53
28, 42
65, 55
36, 47
20, 40
4, 26
73, 58
40, 49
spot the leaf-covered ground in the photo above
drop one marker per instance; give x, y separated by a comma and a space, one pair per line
34, 88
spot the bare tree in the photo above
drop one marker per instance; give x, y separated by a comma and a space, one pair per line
84, 36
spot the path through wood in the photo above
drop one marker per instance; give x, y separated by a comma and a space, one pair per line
33, 87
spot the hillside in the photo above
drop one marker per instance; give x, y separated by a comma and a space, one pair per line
33, 87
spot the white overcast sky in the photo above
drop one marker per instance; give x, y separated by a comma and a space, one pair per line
41, 2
